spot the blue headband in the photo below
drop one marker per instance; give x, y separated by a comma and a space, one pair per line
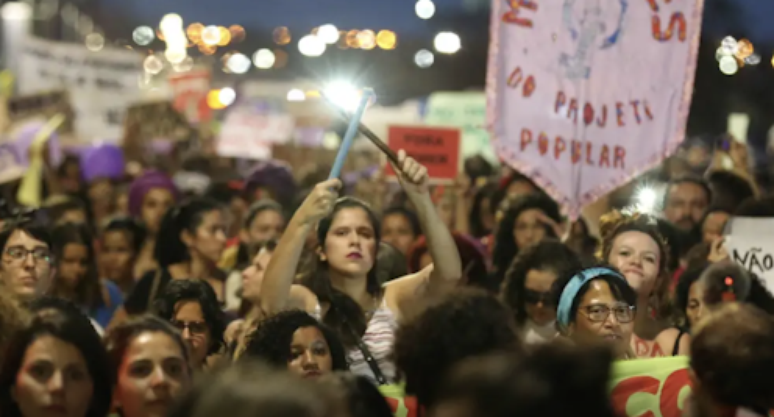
573, 287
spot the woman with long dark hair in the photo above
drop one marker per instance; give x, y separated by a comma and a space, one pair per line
343, 281
77, 278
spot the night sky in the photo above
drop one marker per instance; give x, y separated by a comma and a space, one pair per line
397, 15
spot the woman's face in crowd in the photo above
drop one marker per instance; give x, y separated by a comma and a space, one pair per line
189, 319
713, 225
529, 229
154, 205
537, 296
53, 380
122, 204
26, 267
397, 231
310, 355
601, 317
117, 255
210, 239
267, 225
638, 257
73, 265
350, 245
252, 276
696, 307
152, 374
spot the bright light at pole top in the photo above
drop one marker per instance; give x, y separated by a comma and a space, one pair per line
447, 42
328, 34
343, 94
425, 9
296, 95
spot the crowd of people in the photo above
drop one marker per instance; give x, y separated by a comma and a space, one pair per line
266, 294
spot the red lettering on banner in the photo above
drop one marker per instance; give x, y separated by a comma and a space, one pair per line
620, 155
543, 143
670, 394
602, 122
630, 386
677, 19
636, 106
619, 113
512, 16
588, 114
572, 113
559, 146
393, 403
576, 151
515, 78
648, 113
588, 154
604, 158
653, 5
529, 86
526, 138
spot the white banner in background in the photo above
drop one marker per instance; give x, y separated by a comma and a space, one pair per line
749, 244
102, 85
584, 95
249, 132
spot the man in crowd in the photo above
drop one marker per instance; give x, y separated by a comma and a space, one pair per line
685, 202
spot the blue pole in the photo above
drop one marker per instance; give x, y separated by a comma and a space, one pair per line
349, 136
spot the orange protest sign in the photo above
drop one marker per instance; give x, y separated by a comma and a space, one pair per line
438, 149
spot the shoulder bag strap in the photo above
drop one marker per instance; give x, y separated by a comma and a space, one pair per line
370, 360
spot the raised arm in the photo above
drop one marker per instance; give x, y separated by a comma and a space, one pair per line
441, 246
278, 279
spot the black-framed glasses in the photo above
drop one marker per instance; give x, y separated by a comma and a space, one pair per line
19, 253
195, 327
599, 313
535, 297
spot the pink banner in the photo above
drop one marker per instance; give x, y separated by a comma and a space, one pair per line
584, 95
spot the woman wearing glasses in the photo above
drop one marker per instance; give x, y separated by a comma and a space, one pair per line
527, 287
192, 307
25, 270
595, 306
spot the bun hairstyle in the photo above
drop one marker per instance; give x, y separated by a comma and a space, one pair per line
615, 223
726, 282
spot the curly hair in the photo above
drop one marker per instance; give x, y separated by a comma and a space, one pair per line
732, 357
180, 290
505, 249
273, 337
615, 223
464, 324
549, 255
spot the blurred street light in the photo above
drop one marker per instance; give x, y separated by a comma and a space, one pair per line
311, 45
447, 42
16, 10
424, 58
211, 35
343, 94
387, 39
171, 22
296, 95
227, 96
328, 34
425, 9
153, 65
281, 35
238, 63
264, 59
728, 65
366, 39
143, 35
95, 42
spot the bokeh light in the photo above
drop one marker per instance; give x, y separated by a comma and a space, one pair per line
296, 95
311, 45
425, 9
447, 42
238, 63
728, 65
153, 64
366, 39
184, 66
194, 32
351, 39
386, 39
175, 56
264, 59
753, 59
207, 49
143, 35
225, 36
171, 22
95, 42
227, 96
729, 45
237, 32
424, 58
328, 34
343, 94
281, 35
213, 100
211, 35
342, 43
744, 49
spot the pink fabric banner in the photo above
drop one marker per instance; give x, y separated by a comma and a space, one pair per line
584, 95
